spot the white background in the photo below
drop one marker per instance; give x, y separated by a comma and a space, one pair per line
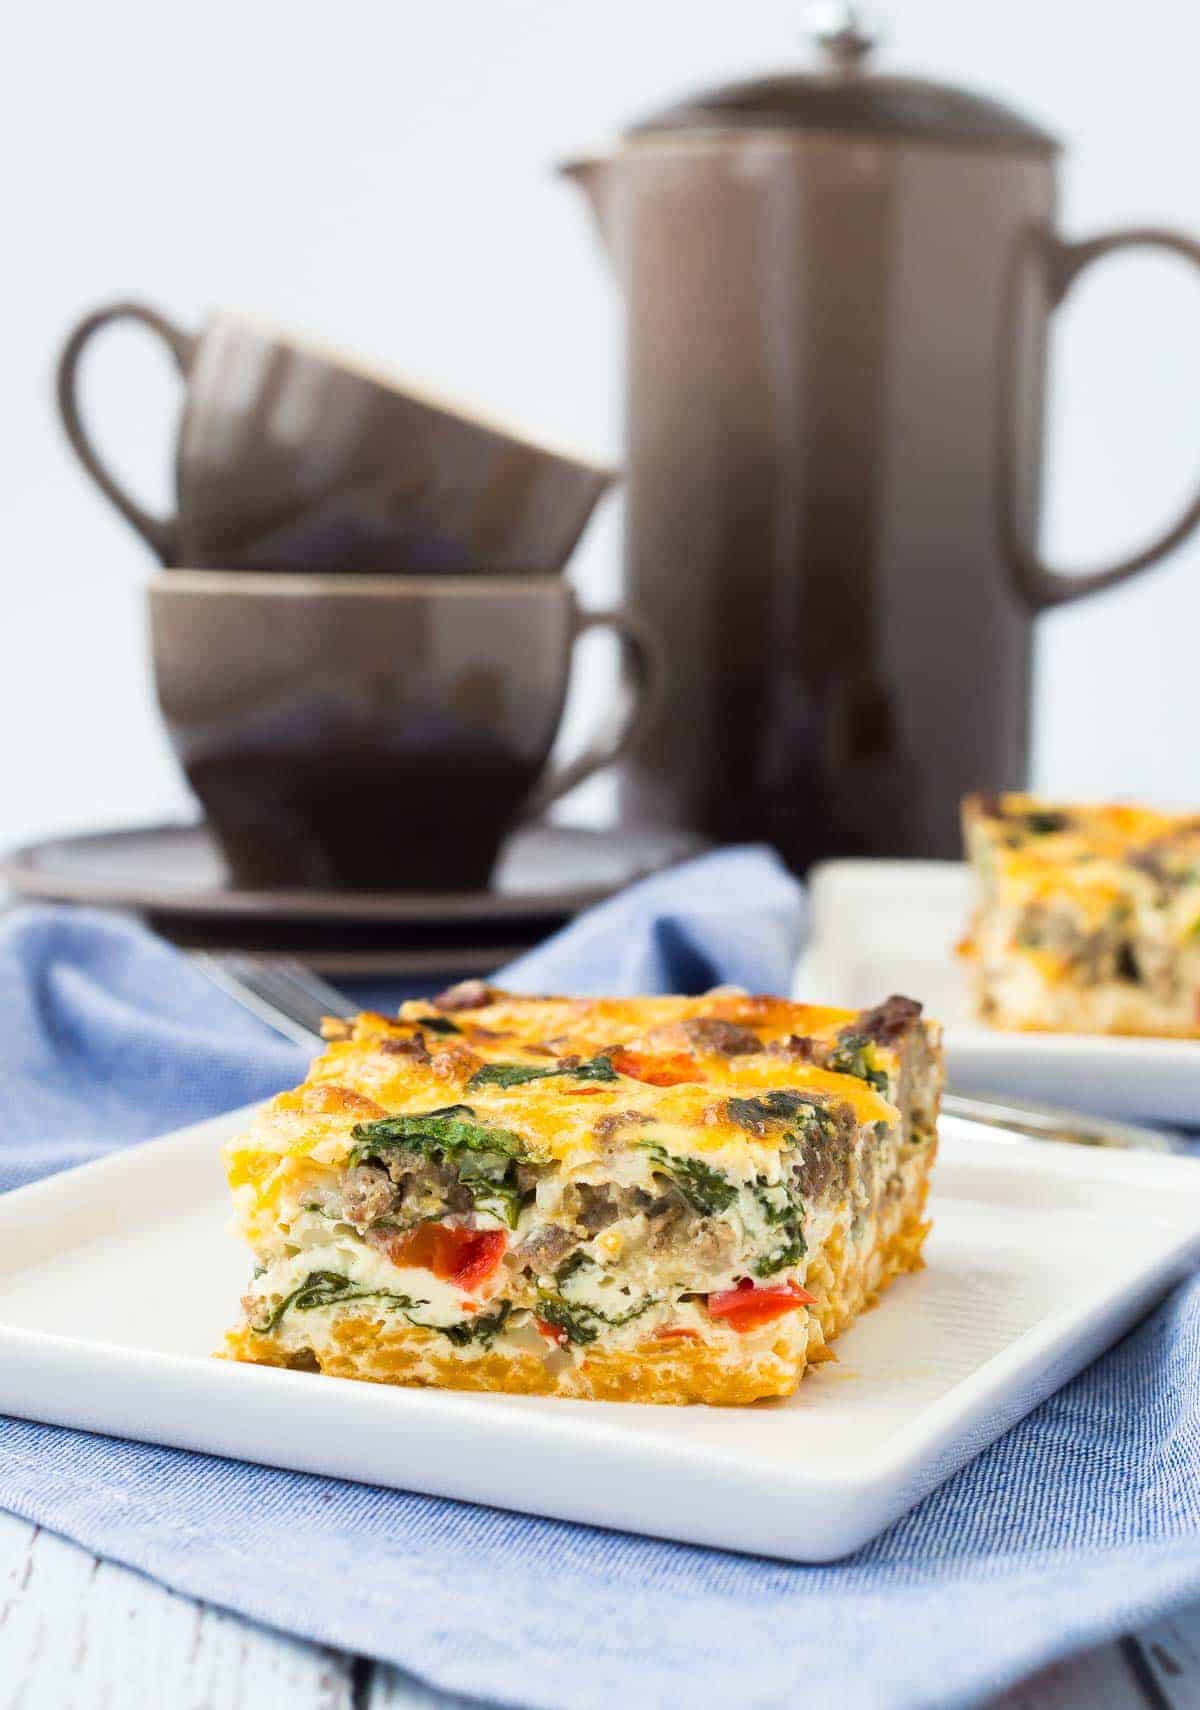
381, 175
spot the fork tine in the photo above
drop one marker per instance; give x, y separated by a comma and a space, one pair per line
284, 995
294, 975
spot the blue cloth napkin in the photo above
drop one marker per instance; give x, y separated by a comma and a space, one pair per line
1082, 1521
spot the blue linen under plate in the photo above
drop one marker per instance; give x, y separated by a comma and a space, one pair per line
1082, 1521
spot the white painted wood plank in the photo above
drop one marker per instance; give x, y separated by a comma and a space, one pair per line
1097, 1680
1170, 1649
82, 1634
79, 1634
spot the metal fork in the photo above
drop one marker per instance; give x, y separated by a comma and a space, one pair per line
281, 992
293, 1001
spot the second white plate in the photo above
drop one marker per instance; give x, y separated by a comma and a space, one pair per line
891, 926
117, 1279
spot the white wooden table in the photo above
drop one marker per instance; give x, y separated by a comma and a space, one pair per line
82, 1634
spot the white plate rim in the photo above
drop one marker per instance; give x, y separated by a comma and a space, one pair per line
1142, 1078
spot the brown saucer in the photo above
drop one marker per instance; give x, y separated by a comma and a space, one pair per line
545, 874
357, 950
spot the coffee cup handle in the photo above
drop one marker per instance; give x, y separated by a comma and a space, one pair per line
159, 532
643, 663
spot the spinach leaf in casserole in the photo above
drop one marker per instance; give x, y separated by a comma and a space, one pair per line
709, 1192
485, 1156
450, 1129
854, 1054
803, 1114
809, 1122
571, 1320
1044, 822
582, 1323
569, 1267
783, 1213
483, 1329
705, 1189
579, 1320
330, 1288
517, 1074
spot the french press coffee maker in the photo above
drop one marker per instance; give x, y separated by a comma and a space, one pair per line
838, 289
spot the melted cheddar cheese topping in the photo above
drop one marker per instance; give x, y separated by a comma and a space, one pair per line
675, 1064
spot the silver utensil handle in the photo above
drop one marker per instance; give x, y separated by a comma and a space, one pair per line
280, 992
1049, 1122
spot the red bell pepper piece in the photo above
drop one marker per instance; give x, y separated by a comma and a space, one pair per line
746, 1307
465, 1257
668, 1069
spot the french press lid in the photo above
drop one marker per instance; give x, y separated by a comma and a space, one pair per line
842, 95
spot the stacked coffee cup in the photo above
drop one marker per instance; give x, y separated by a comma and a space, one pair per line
361, 633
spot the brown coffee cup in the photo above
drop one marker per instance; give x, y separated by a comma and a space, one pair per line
376, 733
289, 458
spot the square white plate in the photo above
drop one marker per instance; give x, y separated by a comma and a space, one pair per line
1040, 1257
891, 926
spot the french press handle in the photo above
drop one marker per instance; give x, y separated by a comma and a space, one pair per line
1042, 585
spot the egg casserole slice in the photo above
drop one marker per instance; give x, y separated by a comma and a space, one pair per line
1088, 918
648, 1199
